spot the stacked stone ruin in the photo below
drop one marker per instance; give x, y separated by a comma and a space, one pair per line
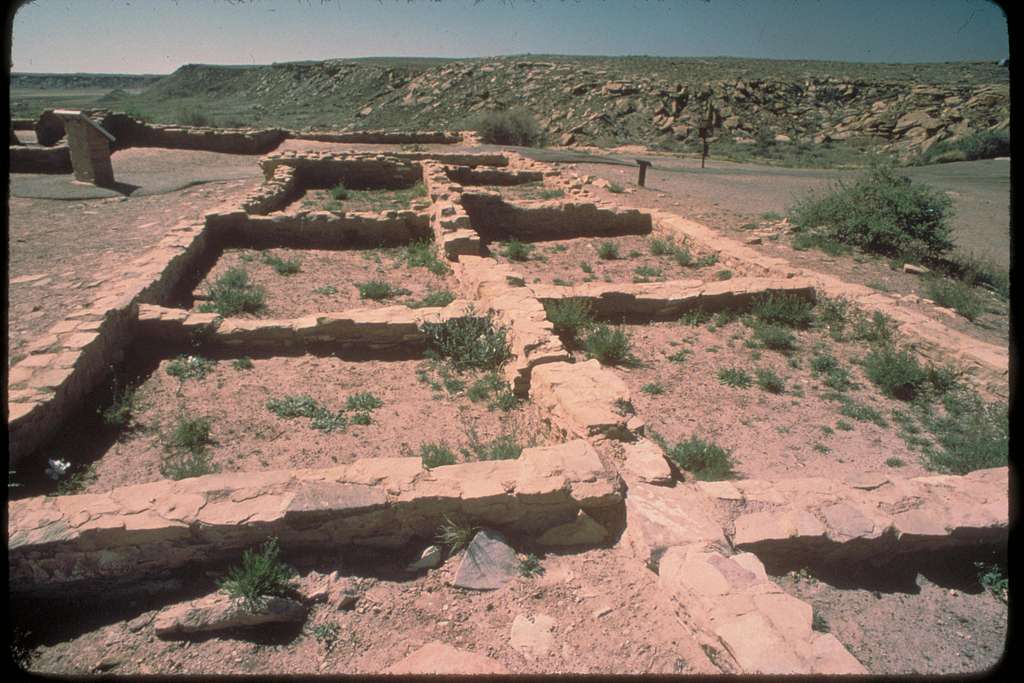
709, 542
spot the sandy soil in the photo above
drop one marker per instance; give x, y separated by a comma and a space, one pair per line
374, 200
793, 434
561, 261
292, 296
637, 631
247, 436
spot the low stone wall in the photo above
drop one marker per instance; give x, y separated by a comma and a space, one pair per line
471, 159
381, 137
496, 219
137, 533
585, 400
803, 522
321, 170
23, 124
389, 327
322, 229
497, 289
276, 193
31, 159
67, 363
450, 223
666, 300
471, 176
987, 364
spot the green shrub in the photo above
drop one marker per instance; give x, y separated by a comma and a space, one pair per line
956, 295
529, 566
972, 434
289, 407
243, 363
232, 294
511, 127
364, 401
423, 255
643, 273
896, 372
609, 345
495, 390
608, 251
122, 406
977, 271
469, 342
786, 309
882, 212
438, 299
586, 268
193, 117
986, 144
455, 534
662, 247
504, 447
282, 266
186, 465
707, 260
570, 317
326, 421
378, 290
734, 377
993, 579
339, 192
683, 257
436, 455
261, 575
190, 367
517, 251
774, 337
191, 434
769, 381
723, 275
695, 318
704, 460
188, 442
679, 356
654, 389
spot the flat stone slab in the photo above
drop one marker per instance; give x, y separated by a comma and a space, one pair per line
761, 628
660, 517
584, 399
218, 612
488, 563
133, 532
437, 658
533, 635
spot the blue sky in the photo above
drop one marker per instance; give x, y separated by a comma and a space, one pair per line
158, 36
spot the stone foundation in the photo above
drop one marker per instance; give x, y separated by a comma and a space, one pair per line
50, 160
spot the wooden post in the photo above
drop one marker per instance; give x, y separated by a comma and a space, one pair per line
643, 171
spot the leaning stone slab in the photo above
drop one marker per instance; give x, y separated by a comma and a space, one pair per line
660, 517
488, 563
645, 463
437, 658
583, 399
132, 534
763, 629
218, 612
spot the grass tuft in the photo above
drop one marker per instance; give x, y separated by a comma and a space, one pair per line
609, 345
262, 574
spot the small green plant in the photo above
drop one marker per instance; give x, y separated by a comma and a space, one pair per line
608, 251
436, 299
339, 192
616, 188
822, 448
493, 389
191, 434
243, 363
705, 261
972, 434
644, 273
378, 290
858, 411
468, 342
282, 266
662, 246
261, 575
504, 447
734, 377
723, 275
609, 345
363, 401
529, 566
695, 318
993, 580
190, 367
188, 443
562, 283
787, 310
586, 268
517, 251
774, 337
551, 194
232, 293
436, 454
844, 426
896, 372
570, 318
289, 407
455, 534
361, 419
819, 623
679, 356
77, 481
326, 634
122, 406
894, 462
653, 388
705, 460
961, 297
771, 216
326, 290
769, 381
683, 257
422, 254
326, 421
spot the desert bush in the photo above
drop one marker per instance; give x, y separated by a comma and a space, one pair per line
282, 266
243, 363
570, 317
436, 455
192, 117
422, 254
517, 251
232, 294
986, 144
435, 299
122, 406
784, 309
339, 192
972, 434
705, 460
378, 290
734, 377
289, 407
188, 443
959, 296
898, 374
510, 127
363, 401
262, 574
774, 337
608, 251
609, 345
469, 342
881, 212
769, 381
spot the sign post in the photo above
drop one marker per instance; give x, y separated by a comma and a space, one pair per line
90, 148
